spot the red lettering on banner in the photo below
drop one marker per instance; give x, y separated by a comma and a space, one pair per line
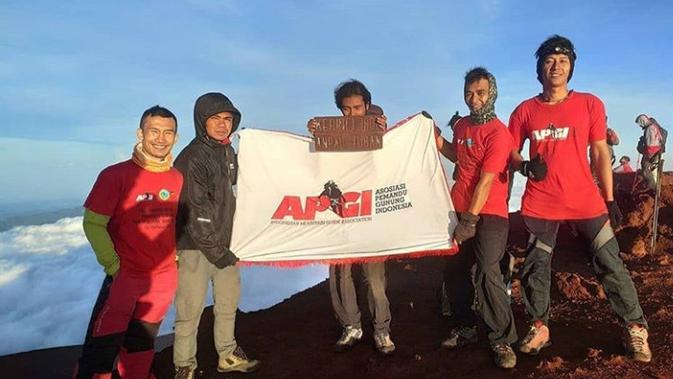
351, 208
354, 204
366, 203
313, 204
290, 206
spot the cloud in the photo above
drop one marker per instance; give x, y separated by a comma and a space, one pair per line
518, 187
49, 281
51, 239
10, 271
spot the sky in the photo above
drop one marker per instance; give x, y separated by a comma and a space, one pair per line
75, 77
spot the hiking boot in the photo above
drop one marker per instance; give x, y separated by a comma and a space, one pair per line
184, 373
635, 343
237, 361
348, 339
536, 339
461, 336
383, 342
504, 355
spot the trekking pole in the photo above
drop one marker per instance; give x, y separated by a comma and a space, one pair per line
635, 177
655, 216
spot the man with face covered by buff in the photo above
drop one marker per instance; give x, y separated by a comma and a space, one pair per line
481, 147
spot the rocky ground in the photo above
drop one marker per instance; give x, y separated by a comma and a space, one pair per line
294, 339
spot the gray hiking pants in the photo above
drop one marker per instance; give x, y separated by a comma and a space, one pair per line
344, 298
484, 251
650, 172
605, 260
194, 273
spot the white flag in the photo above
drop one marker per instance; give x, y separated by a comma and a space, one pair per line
295, 205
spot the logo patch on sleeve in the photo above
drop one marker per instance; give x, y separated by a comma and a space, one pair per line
164, 194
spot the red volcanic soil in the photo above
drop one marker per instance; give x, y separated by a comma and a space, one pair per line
294, 338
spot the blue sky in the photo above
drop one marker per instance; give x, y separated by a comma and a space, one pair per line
75, 76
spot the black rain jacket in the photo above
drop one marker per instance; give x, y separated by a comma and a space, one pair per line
207, 202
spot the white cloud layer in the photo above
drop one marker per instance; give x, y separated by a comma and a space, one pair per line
49, 280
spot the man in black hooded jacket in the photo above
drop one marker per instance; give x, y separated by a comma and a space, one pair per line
203, 233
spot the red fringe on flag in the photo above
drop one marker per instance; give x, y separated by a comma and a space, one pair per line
378, 258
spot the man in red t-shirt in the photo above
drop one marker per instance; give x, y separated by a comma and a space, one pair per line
560, 124
129, 219
624, 166
480, 148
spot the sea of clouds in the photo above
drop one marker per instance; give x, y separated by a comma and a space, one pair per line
49, 280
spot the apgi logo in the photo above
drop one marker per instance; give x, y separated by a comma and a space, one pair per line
551, 133
144, 197
467, 142
345, 205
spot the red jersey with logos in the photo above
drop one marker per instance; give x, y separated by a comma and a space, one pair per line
561, 134
481, 148
142, 206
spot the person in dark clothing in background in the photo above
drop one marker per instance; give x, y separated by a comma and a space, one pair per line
650, 145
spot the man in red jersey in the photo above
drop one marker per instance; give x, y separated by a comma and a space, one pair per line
481, 147
129, 219
559, 124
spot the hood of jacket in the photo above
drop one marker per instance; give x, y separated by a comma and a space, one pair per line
209, 104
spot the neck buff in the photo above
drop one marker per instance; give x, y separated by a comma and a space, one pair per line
150, 163
487, 112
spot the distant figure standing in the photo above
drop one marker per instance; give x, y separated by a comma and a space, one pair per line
650, 145
624, 166
560, 124
129, 220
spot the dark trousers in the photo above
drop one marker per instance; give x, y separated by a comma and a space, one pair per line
483, 252
605, 261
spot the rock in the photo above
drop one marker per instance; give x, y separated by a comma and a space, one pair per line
639, 248
574, 287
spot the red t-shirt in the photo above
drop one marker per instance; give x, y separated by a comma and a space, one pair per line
561, 134
142, 206
481, 148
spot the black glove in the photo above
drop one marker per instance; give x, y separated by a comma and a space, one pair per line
467, 227
228, 259
642, 145
454, 119
615, 214
535, 169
